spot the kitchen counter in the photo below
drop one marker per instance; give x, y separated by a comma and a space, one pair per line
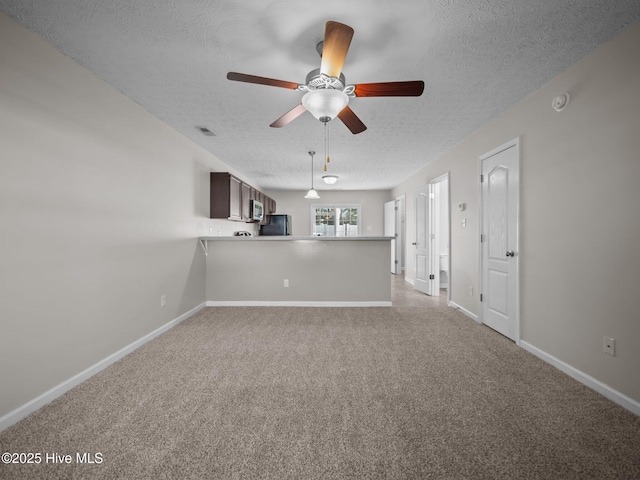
283, 238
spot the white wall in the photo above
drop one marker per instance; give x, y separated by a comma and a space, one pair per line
580, 229
100, 205
370, 201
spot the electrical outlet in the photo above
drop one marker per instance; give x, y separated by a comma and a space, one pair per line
609, 346
286, 283
470, 291
163, 301
211, 230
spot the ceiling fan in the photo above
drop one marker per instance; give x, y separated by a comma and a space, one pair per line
327, 93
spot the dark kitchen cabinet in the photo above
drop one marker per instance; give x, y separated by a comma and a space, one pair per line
226, 196
231, 199
246, 201
270, 205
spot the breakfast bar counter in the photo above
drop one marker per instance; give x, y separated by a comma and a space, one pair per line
290, 238
298, 271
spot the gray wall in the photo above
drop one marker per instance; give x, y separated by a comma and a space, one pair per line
327, 271
580, 229
100, 204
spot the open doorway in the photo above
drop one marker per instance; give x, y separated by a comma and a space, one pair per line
394, 226
401, 230
431, 253
441, 232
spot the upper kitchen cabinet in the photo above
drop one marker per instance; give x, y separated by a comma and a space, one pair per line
231, 199
226, 196
270, 205
247, 195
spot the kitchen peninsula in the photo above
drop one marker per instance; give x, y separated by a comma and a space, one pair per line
298, 271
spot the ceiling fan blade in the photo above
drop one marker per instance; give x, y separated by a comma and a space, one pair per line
291, 115
337, 38
351, 120
243, 77
390, 89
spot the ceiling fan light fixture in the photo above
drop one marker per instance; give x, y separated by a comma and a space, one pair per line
325, 102
330, 179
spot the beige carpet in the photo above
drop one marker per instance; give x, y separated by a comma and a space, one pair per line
414, 391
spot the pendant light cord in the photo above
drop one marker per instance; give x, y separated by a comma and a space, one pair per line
312, 169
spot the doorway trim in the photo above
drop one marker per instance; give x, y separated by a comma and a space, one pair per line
391, 230
401, 230
511, 143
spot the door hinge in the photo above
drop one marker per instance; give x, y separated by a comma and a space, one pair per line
481, 237
395, 261
396, 235
432, 277
481, 178
480, 297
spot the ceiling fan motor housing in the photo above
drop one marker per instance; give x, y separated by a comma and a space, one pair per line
315, 80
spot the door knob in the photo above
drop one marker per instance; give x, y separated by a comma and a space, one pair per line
510, 253
414, 243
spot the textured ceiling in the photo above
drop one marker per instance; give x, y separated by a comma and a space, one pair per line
476, 57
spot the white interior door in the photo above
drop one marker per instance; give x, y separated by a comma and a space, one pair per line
499, 239
423, 281
390, 213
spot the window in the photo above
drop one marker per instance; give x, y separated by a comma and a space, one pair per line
335, 220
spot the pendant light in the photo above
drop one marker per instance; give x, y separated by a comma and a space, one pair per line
312, 194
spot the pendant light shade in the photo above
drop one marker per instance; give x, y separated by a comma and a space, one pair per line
312, 194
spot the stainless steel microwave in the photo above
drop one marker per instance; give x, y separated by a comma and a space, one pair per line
257, 210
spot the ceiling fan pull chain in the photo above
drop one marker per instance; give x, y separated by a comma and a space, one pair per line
325, 146
326, 141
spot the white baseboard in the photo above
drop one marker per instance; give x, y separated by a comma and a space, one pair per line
23, 411
602, 388
261, 303
409, 280
464, 310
